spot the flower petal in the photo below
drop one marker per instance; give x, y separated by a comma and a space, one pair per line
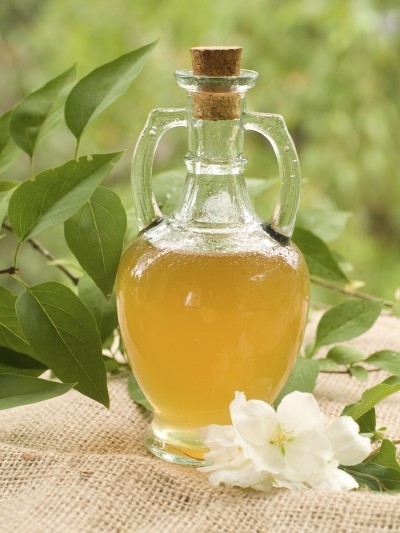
222, 442
235, 464
268, 457
307, 456
254, 420
283, 483
299, 411
335, 479
239, 473
222, 435
349, 448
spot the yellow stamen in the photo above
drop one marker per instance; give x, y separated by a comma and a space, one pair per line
281, 437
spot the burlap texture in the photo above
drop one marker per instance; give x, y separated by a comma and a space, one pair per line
70, 465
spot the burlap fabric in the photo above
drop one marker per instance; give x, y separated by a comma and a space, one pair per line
71, 465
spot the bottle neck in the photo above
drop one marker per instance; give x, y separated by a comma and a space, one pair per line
215, 192
218, 142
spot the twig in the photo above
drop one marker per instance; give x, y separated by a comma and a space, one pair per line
41, 249
377, 450
349, 292
9, 270
346, 371
37, 246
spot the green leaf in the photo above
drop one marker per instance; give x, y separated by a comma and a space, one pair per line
5, 129
95, 235
6, 190
99, 89
367, 421
374, 476
309, 349
372, 396
103, 310
136, 393
346, 321
111, 365
320, 260
64, 334
359, 372
343, 263
386, 456
11, 334
9, 155
8, 150
256, 186
133, 228
17, 363
345, 355
327, 365
303, 378
168, 187
40, 112
56, 194
386, 360
396, 309
70, 264
327, 224
16, 390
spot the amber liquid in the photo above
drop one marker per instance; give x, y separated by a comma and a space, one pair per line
197, 328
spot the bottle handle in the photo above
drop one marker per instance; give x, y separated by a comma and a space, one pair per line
158, 123
273, 127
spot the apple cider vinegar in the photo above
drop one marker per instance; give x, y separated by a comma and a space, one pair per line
211, 299
197, 328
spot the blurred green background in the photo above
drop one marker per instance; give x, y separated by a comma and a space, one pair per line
331, 68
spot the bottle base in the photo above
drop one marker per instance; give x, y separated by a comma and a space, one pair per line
174, 451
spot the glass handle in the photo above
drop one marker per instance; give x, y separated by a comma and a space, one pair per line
273, 127
158, 122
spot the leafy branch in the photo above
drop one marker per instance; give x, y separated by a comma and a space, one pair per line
36, 245
349, 292
48, 326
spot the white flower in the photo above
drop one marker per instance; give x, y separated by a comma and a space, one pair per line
349, 448
289, 447
231, 467
114, 351
291, 441
335, 479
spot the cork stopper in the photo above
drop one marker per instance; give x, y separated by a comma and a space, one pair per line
214, 103
216, 60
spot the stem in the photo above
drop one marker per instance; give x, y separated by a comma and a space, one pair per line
346, 371
20, 281
31, 173
377, 450
77, 148
41, 249
10, 270
349, 292
16, 253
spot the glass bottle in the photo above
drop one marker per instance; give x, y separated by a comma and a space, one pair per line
211, 299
